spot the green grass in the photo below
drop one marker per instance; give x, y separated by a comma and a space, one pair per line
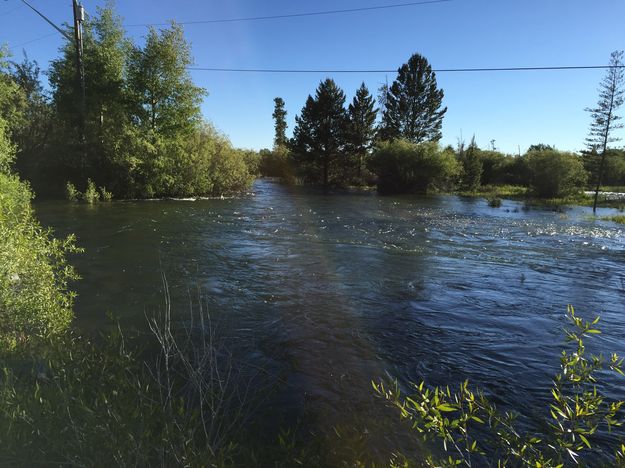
517, 192
620, 219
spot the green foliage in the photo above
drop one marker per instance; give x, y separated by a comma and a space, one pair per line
71, 193
405, 167
555, 173
144, 135
360, 132
319, 137
7, 150
76, 400
164, 98
605, 119
276, 163
494, 202
620, 219
412, 104
279, 116
472, 430
105, 195
34, 298
471, 175
91, 194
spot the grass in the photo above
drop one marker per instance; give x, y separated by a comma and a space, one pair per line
517, 192
620, 219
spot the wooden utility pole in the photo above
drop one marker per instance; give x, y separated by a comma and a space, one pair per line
79, 17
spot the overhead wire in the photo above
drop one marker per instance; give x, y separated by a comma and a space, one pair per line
297, 15
440, 70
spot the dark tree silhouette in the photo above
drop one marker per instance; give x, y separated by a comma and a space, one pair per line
413, 104
279, 116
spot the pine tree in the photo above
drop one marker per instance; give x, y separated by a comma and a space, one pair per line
279, 116
471, 167
320, 131
413, 104
361, 127
604, 117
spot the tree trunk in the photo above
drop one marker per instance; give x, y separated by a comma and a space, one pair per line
599, 181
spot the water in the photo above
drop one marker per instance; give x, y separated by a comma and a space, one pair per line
332, 290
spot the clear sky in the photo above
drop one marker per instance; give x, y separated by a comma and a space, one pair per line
515, 109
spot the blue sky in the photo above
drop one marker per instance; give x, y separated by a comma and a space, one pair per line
515, 109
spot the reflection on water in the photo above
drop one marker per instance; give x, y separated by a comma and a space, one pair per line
333, 290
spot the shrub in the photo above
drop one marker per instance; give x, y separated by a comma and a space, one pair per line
34, 298
71, 193
472, 431
555, 173
405, 167
91, 194
105, 194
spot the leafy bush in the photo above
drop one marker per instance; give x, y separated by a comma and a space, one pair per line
473, 431
71, 193
405, 167
105, 194
91, 194
34, 296
555, 173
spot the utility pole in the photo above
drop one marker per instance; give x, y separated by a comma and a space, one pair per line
79, 17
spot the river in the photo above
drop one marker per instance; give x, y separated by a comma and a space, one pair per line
333, 289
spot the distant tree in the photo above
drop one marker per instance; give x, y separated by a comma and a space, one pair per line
540, 147
319, 136
471, 167
604, 117
361, 126
279, 116
413, 104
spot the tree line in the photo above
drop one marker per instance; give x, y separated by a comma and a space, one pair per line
140, 133
394, 142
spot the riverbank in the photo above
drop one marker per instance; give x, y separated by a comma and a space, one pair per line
607, 199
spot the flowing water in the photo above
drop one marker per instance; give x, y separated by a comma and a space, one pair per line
332, 290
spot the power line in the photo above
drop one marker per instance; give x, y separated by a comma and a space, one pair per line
32, 40
6, 13
298, 15
441, 70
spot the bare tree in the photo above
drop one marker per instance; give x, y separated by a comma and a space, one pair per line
604, 117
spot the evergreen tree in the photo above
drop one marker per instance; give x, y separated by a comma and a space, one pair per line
361, 128
413, 104
604, 117
279, 116
471, 167
319, 136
